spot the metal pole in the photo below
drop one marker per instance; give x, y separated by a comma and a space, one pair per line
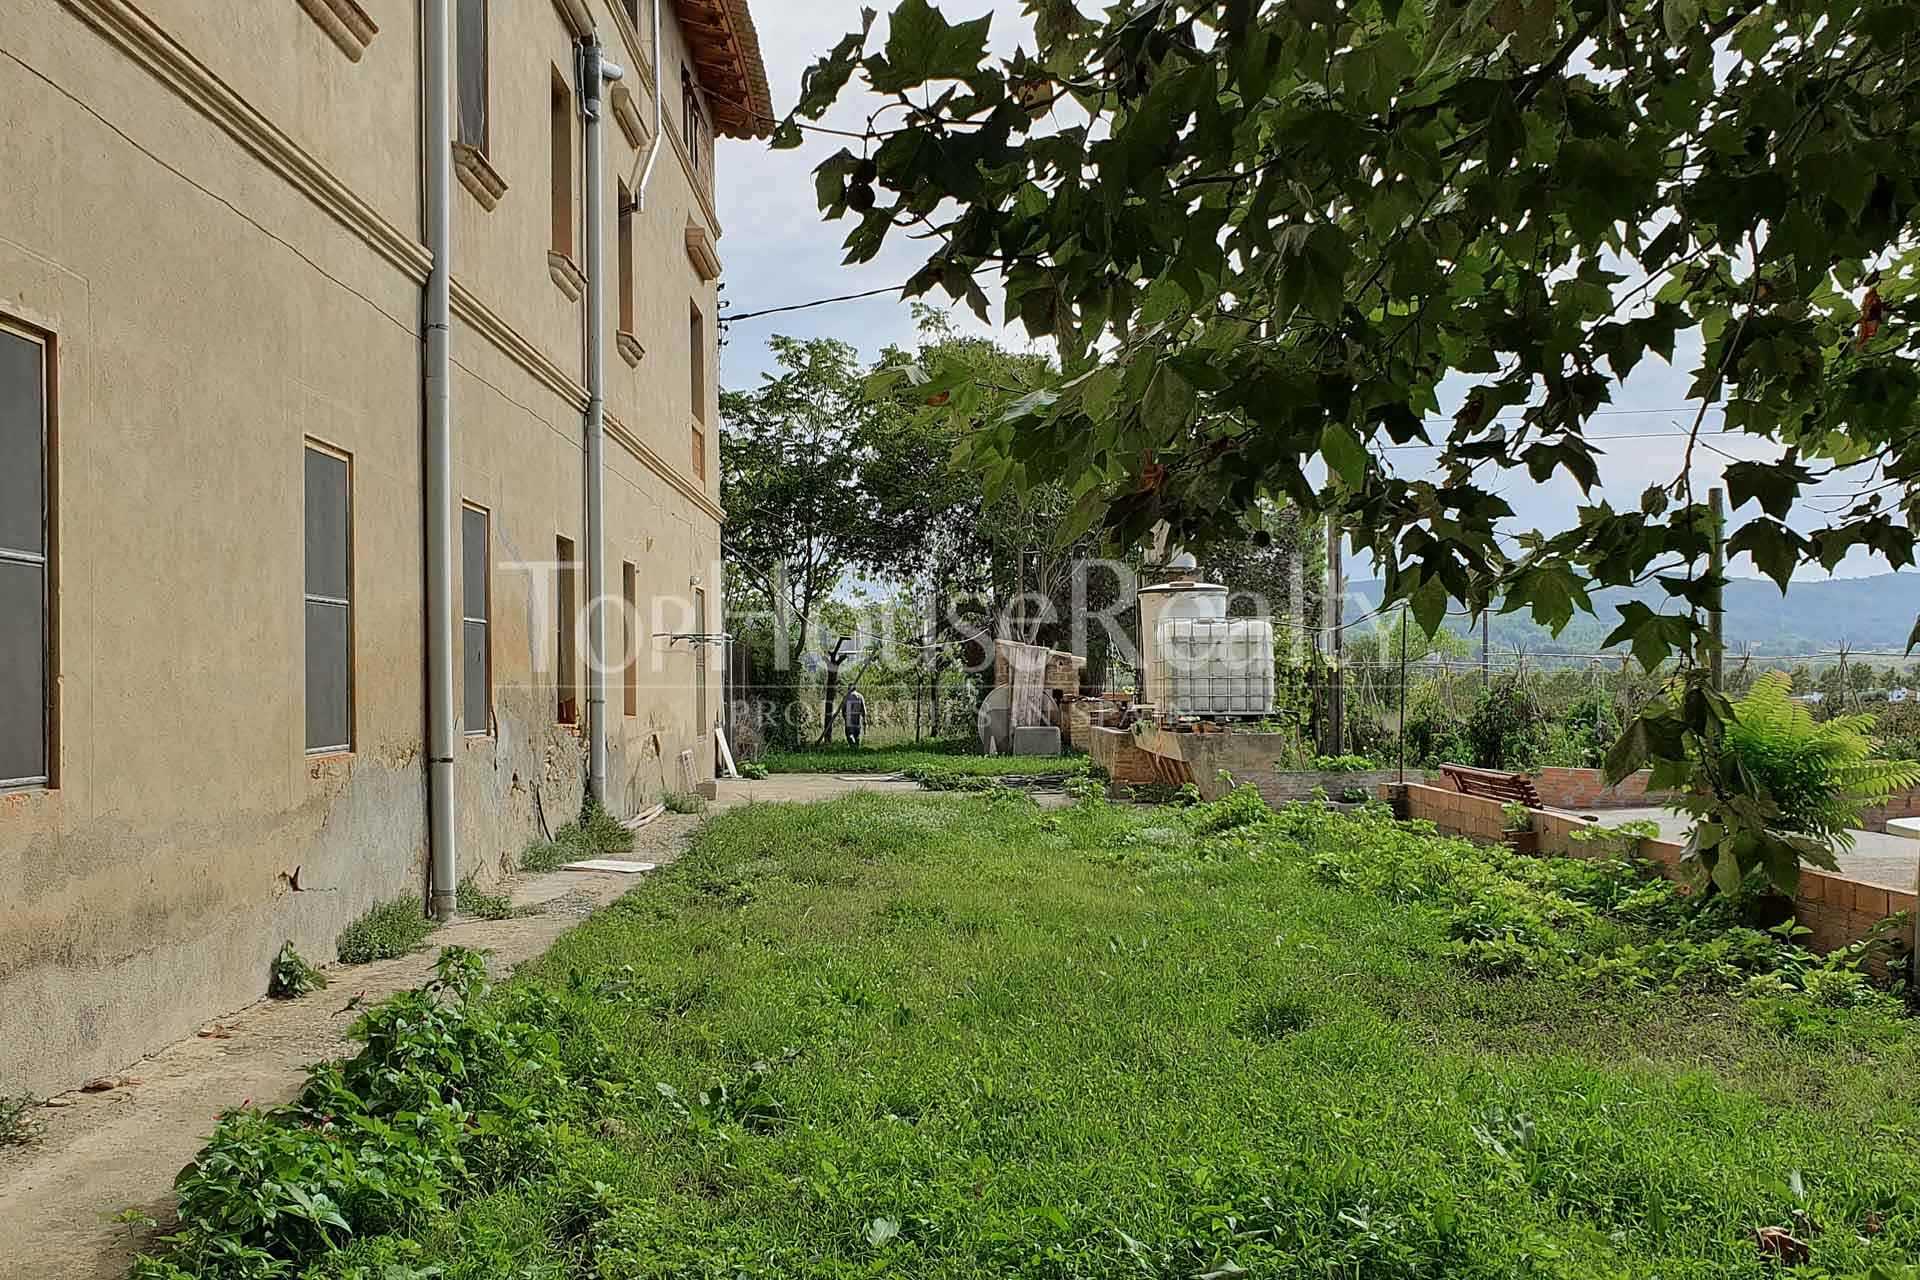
1403, 695
1716, 604
593, 72
1336, 590
1486, 647
437, 394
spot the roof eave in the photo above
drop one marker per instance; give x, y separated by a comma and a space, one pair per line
725, 51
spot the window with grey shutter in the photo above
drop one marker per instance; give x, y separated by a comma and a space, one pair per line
567, 620
25, 601
471, 73
476, 617
329, 603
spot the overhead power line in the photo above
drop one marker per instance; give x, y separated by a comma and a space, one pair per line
734, 317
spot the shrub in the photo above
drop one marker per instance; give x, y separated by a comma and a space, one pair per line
291, 975
1508, 727
753, 771
1343, 764
1242, 807
1779, 788
388, 929
453, 1092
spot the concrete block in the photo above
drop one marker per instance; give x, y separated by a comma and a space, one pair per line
1040, 740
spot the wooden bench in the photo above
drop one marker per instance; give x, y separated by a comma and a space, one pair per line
1490, 784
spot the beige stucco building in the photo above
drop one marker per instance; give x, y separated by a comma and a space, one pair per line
212, 612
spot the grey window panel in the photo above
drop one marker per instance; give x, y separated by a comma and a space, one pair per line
327, 515
23, 442
23, 672
476, 696
471, 72
473, 563
329, 677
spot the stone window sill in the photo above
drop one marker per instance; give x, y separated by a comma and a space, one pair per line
570, 279
629, 346
626, 113
478, 175
701, 253
345, 22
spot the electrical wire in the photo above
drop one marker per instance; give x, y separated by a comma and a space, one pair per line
732, 317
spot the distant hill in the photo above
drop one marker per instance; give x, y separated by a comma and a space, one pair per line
1875, 613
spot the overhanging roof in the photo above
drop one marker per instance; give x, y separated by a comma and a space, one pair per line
726, 56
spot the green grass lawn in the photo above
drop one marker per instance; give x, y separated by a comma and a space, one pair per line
953, 758
963, 1037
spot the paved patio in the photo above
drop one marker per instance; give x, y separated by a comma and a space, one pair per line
1886, 861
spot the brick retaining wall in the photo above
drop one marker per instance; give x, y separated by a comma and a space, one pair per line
1905, 804
1116, 751
1588, 789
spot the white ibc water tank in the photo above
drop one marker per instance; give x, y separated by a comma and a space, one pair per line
1213, 666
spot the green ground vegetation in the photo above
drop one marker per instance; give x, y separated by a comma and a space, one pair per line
963, 1036
912, 758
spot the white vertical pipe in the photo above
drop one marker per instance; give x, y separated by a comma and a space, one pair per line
659, 113
593, 70
436, 392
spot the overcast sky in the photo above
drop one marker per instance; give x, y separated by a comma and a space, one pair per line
778, 251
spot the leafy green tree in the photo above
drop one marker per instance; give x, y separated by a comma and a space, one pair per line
1268, 232
815, 485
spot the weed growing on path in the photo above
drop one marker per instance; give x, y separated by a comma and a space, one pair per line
471, 900
18, 1125
291, 976
386, 930
595, 834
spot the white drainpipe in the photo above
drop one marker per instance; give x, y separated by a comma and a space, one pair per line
595, 71
659, 114
436, 394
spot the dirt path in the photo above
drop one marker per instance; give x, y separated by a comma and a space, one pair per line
106, 1152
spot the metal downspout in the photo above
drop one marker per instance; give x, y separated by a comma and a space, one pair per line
659, 115
436, 390
594, 71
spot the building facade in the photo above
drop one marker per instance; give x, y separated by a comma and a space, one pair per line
213, 635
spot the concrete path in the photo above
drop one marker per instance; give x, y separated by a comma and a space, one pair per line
1885, 861
102, 1153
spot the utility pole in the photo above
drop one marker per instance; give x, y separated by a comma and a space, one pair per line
1486, 646
1336, 610
1716, 602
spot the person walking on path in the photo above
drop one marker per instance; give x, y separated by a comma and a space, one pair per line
855, 711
